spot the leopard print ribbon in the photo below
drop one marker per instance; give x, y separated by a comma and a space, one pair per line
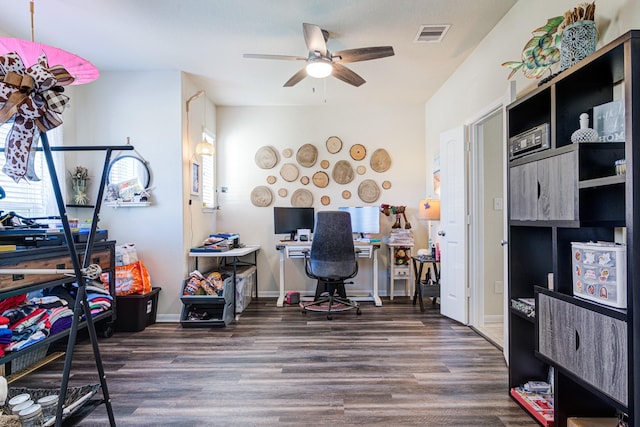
33, 98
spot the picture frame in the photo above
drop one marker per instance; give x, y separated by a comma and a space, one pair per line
195, 178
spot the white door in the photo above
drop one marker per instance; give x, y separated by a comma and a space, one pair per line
453, 225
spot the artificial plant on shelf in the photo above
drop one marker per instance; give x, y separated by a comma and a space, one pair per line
79, 182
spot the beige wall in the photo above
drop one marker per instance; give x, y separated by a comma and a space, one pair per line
243, 130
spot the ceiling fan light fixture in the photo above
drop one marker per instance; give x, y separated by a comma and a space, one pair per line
319, 68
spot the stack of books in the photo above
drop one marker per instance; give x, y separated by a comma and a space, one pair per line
537, 404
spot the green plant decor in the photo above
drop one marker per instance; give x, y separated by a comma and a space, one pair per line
541, 52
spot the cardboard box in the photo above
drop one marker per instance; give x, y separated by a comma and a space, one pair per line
591, 422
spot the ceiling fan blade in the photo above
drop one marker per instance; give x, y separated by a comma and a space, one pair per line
362, 54
314, 39
296, 78
283, 57
346, 75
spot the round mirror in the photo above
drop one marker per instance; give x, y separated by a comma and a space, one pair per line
125, 168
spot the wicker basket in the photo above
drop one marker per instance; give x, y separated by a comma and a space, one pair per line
28, 358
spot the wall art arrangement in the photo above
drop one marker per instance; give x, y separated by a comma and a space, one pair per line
315, 169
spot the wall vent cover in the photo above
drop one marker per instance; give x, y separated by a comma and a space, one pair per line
431, 33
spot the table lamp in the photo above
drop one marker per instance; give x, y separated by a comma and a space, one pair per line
429, 209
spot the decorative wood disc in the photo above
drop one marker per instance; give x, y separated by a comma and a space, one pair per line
368, 191
361, 170
325, 200
304, 180
261, 196
307, 155
358, 152
287, 152
302, 198
320, 179
334, 144
271, 179
386, 185
283, 192
266, 157
380, 160
346, 194
289, 172
324, 164
342, 172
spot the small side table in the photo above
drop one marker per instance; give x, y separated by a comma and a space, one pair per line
432, 289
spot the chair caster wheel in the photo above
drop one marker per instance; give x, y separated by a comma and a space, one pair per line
303, 311
358, 312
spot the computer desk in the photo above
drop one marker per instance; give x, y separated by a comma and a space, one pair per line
295, 250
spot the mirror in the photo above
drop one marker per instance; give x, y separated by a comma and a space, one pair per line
125, 168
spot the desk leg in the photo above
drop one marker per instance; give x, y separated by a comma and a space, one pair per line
280, 301
376, 298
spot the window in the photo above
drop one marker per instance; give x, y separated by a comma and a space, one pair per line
30, 199
208, 176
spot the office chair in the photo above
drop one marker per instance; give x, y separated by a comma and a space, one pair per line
331, 261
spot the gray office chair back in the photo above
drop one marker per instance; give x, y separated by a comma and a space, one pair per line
332, 251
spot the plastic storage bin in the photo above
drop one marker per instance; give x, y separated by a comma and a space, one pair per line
200, 311
600, 272
245, 283
136, 312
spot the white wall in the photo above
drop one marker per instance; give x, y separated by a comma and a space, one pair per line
481, 80
243, 130
144, 106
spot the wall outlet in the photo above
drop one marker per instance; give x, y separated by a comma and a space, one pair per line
497, 203
498, 286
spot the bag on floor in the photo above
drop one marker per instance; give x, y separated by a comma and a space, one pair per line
132, 279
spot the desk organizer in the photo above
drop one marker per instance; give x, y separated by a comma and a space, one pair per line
599, 272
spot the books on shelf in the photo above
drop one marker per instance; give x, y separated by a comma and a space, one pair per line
537, 404
526, 306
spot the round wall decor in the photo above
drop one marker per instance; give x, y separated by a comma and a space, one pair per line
289, 172
368, 191
307, 155
325, 200
358, 152
324, 164
380, 160
304, 180
261, 196
334, 144
386, 185
320, 179
287, 152
266, 157
302, 198
361, 170
346, 194
342, 172
282, 192
271, 179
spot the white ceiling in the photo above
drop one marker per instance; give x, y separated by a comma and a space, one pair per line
206, 38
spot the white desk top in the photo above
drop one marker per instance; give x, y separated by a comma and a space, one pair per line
246, 250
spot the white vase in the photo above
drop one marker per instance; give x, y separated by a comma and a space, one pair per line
585, 133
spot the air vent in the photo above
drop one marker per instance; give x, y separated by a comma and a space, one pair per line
431, 33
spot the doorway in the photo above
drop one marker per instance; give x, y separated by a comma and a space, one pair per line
487, 207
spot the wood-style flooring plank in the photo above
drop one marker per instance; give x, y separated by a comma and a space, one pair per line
391, 366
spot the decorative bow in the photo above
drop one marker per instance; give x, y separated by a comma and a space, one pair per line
33, 98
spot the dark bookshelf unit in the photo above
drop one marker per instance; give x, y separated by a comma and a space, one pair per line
571, 193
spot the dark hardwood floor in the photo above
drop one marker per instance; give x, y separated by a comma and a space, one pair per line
391, 366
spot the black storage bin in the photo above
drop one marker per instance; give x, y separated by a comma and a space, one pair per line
136, 312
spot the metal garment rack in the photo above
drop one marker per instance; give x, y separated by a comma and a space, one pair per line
81, 303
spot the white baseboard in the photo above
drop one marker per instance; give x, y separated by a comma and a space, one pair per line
493, 318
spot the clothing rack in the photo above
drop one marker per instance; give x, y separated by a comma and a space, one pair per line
81, 305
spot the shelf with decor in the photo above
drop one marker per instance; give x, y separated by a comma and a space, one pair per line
563, 194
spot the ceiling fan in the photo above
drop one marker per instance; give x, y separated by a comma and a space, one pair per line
322, 63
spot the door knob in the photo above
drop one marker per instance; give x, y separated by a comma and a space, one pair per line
503, 242
441, 233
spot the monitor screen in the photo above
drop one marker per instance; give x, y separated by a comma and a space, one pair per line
289, 220
364, 219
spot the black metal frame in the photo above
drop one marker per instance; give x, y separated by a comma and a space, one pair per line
81, 305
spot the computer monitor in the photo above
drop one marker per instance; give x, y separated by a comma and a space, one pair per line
290, 220
364, 219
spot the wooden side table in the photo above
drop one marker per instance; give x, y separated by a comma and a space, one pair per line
432, 288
